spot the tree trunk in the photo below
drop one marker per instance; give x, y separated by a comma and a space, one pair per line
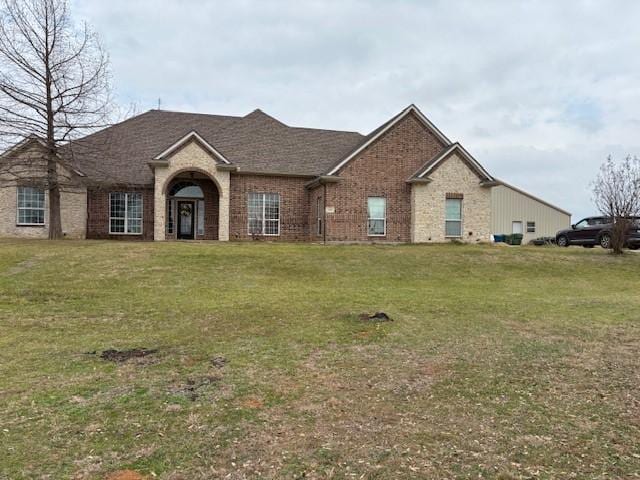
55, 222
619, 235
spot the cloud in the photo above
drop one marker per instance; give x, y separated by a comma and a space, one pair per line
541, 92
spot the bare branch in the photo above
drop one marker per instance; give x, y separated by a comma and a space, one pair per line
54, 84
616, 193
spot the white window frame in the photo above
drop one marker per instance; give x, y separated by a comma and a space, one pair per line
126, 216
384, 218
531, 229
460, 220
19, 208
264, 219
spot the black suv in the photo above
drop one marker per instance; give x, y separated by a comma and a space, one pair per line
592, 231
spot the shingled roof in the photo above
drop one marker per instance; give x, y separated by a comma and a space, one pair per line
256, 142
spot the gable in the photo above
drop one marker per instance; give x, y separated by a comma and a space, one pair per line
191, 137
27, 162
455, 172
457, 151
383, 130
400, 150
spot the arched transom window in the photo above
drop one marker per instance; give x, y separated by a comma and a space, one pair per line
186, 190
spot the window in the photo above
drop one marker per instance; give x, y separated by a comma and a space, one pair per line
582, 224
377, 212
200, 227
186, 190
264, 214
319, 213
30, 206
125, 213
531, 227
453, 217
170, 221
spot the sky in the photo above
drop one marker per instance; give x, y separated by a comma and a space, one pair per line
540, 92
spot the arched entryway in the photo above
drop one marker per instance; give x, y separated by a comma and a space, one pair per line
192, 208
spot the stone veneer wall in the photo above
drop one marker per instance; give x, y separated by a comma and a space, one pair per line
73, 214
28, 167
428, 204
191, 157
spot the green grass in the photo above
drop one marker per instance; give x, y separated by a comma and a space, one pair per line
500, 363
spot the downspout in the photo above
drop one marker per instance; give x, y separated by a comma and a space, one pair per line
324, 214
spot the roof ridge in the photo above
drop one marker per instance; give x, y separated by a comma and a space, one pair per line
180, 112
262, 113
104, 129
326, 130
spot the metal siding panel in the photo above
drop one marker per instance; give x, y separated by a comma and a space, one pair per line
507, 206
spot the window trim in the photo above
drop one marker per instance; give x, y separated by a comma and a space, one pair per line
18, 207
126, 210
264, 220
384, 219
461, 220
530, 222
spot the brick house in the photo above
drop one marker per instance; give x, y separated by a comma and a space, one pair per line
167, 175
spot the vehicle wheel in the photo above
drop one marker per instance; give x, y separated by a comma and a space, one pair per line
605, 241
563, 241
588, 246
634, 247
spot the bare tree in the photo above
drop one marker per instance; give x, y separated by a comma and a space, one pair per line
54, 85
616, 193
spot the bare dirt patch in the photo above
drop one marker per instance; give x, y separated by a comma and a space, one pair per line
120, 356
219, 362
125, 475
22, 266
192, 387
375, 317
253, 403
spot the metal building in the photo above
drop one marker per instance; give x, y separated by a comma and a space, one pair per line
516, 211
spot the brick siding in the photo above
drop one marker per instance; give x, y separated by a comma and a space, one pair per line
381, 170
316, 194
294, 206
98, 213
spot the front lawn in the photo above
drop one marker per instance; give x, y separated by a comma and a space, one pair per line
500, 362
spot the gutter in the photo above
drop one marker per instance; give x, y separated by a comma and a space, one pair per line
322, 180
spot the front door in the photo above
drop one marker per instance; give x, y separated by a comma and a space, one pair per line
185, 220
516, 227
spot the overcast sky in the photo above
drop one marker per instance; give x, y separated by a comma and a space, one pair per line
540, 92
